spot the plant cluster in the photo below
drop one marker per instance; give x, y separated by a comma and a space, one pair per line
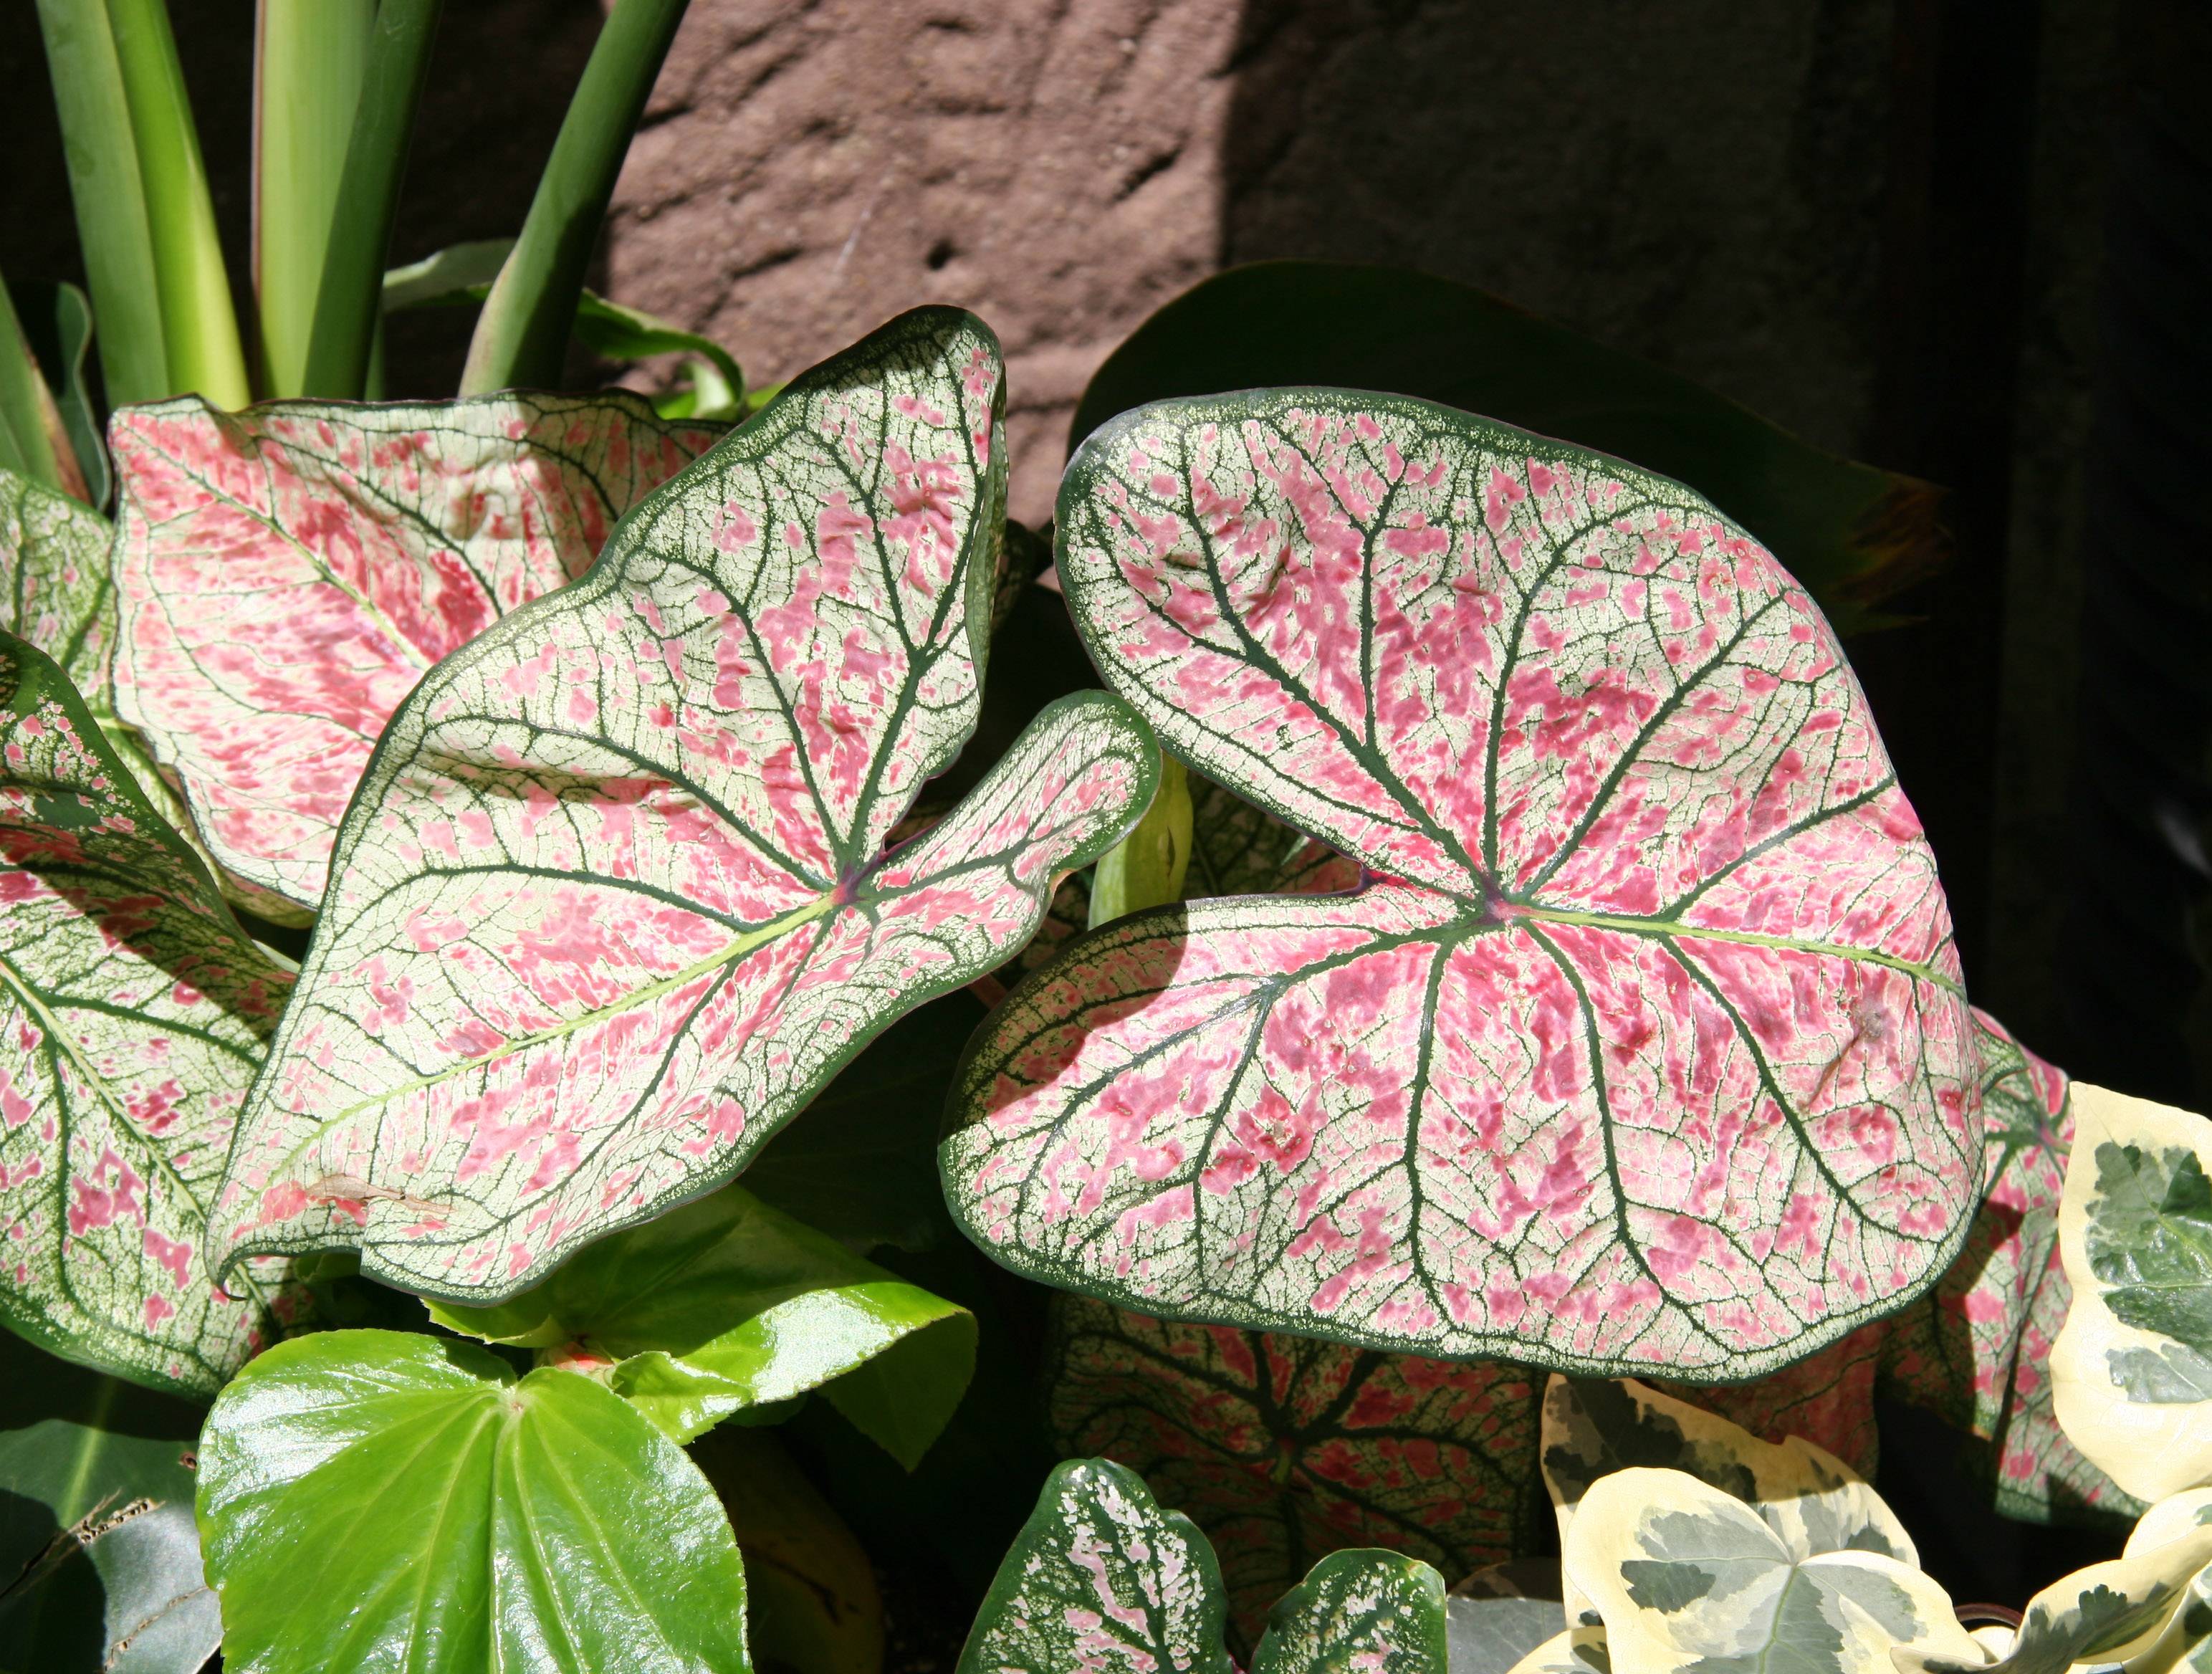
1472, 1018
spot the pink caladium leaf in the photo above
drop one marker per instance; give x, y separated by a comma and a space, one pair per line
133, 1014
614, 900
1283, 1449
286, 575
1643, 1045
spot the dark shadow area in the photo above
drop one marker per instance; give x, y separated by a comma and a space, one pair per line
499, 84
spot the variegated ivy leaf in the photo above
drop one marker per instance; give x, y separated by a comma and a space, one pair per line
2109, 1611
613, 902
1285, 1448
1358, 1613
1642, 1049
1102, 1580
1688, 1577
1812, 1500
286, 575
2133, 1366
2185, 1645
726, 1304
133, 1013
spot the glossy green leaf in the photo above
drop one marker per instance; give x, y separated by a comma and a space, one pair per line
133, 1014
287, 575
1531, 1090
517, 1523
1688, 1577
726, 1304
2133, 1366
1284, 1448
1852, 534
1358, 1612
860, 1164
57, 320
2109, 1611
613, 901
99, 1559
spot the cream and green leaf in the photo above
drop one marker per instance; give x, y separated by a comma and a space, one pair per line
2132, 1369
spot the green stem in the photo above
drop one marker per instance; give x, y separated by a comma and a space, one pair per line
1146, 868
197, 323
32, 441
111, 204
308, 61
349, 305
522, 336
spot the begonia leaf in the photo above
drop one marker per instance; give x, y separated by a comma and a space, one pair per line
1643, 1047
726, 1304
1285, 1448
2132, 1370
613, 901
386, 1499
286, 575
1688, 1577
1103, 1580
133, 1014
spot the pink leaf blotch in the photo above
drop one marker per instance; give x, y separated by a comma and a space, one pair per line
286, 575
133, 1013
1641, 1048
614, 900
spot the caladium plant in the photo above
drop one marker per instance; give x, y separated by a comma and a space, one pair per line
613, 900
133, 1014
1641, 1046
286, 575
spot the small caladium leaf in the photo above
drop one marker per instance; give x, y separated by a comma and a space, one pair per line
1359, 1612
1283, 1448
1643, 1048
53, 566
518, 1523
726, 1304
613, 902
2108, 1611
286, 575
1686, 1576
2132, 1370
133, 1014
1101, 1578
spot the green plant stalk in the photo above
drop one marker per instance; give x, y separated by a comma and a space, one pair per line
198, 324
522, 335
110, 201
349, 303
32, 443
1146, 868
309, 57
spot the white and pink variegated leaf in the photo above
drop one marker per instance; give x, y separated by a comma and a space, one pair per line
133, 1013
1642, 1048
614, 900
286, 575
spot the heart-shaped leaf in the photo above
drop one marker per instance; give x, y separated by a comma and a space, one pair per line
1101, 1578
1643, 1048
133, 1014
613, 902
286, 575
1854, 535
1283, 1448
727, 1304
518, 1524
2132, 1370
1688, 1577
